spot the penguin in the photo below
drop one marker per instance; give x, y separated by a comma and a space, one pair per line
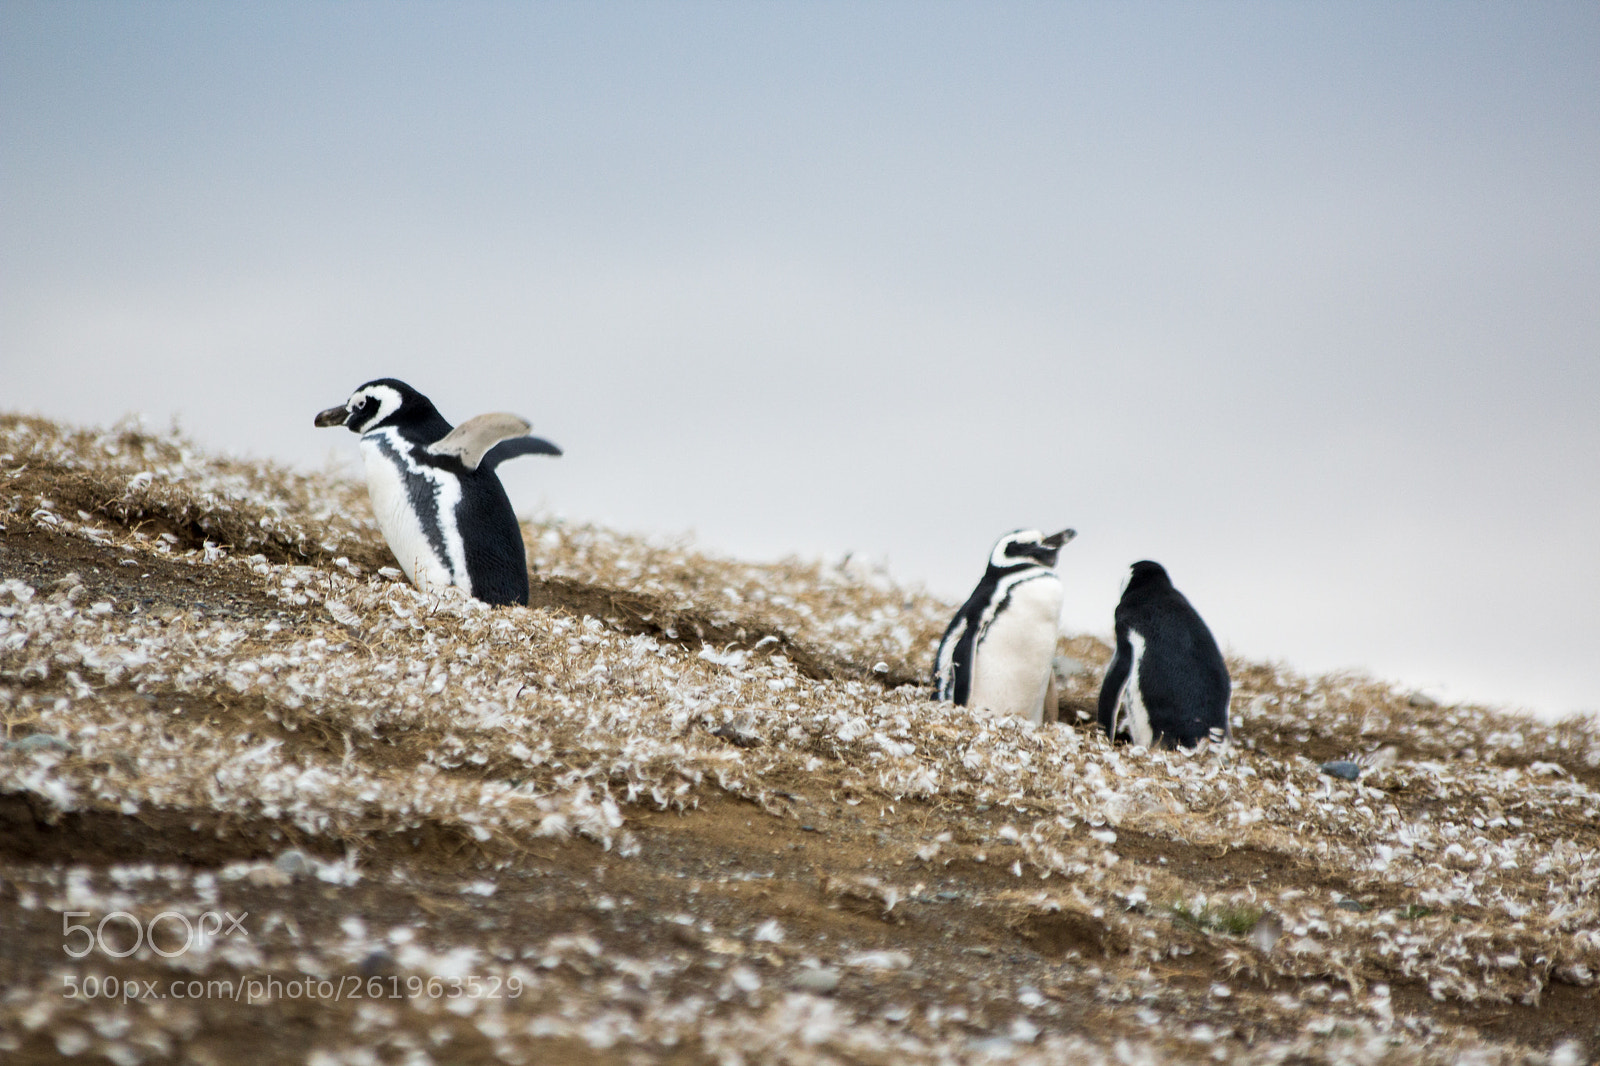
434, 490
1166, 684
996, 653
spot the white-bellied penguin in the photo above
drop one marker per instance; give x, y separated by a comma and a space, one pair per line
1166, 684
434, 489
997, 651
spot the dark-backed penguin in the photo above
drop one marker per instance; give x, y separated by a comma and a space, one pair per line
1167, 684
435, 492
997, 651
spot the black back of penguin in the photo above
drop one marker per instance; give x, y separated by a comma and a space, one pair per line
1182, 687
952, 664
491, 538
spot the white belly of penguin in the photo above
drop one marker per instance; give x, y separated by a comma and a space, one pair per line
424, 562
1011, 667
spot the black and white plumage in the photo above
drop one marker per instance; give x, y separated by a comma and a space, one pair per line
435, 492
997, 651
1166, 684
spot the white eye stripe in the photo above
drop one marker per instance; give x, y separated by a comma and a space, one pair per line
1001, 557
388, 403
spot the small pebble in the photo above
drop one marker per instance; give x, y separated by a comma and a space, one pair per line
821, 980
39, 742
293, 862
377, 962
879, 960
1342, 768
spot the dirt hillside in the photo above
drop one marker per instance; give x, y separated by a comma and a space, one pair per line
261, 800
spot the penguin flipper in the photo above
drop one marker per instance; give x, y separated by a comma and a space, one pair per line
1118, 673
510, 449
477, 436
944, 662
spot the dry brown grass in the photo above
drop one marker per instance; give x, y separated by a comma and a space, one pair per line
218, 670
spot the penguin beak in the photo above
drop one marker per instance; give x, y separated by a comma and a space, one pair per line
333, 416
1057, 540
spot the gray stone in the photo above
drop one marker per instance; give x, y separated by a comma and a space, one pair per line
821, 980
1342, 768
40, 742
293, 862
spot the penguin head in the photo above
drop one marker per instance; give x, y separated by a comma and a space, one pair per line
1145, 574
385, 401
1028, 547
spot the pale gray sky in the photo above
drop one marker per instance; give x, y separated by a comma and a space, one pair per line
1301, 300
